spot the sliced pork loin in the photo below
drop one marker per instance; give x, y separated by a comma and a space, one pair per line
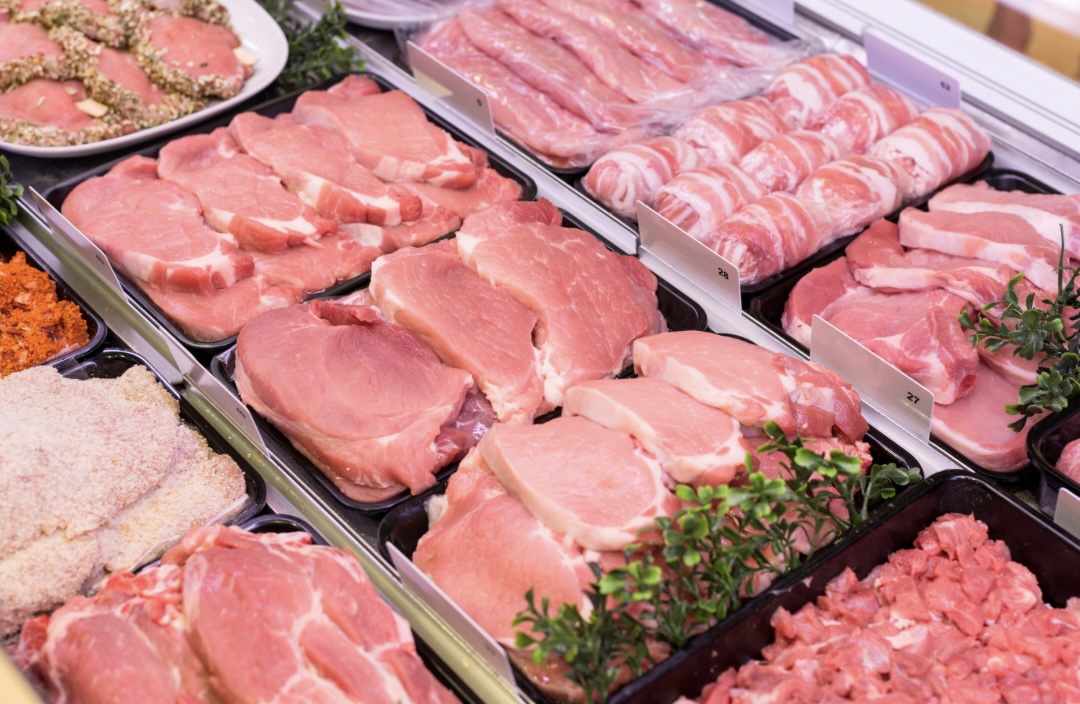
783, 162
803, 90
192, 259
485, 550
388, 133
636, 171
590, 303
753, 384
367, 401
469, 323
699, 200
855, 192
239, 195
580, 479
490, 188
723, 133
435, 221
317, 266
861, 117
694, 443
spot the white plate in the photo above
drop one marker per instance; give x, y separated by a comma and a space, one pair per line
356, 11
258, 33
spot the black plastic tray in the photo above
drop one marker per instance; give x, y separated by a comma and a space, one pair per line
1045, 441
95, 326
58, 193
767, 307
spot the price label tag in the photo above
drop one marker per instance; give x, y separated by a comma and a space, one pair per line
449, 85
76, 240
714, 274
894, 393
914, 76
1067, 511
428, 592
227, 403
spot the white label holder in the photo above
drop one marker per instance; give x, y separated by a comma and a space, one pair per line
421, 586
715, 275
76, 240
897, 395
1067, 511
912, 75
450, 86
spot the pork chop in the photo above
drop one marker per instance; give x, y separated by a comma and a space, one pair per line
191, 56
50, 104
723, 133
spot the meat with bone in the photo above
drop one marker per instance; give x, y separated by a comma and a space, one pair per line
239, 195
203, 627
48, 106
861, 117
388, 133
192, 259
725, 132
699, 200
694, 443
591, 303
315, 164
939, 146
490, 188
636, 171
753, 384
771, 234
854, 192
783, 162
304, 368
606, 492
803, 90
469, 323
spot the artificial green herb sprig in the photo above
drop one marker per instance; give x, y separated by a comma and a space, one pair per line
9, 193
317, 50
712, 553
1037, 327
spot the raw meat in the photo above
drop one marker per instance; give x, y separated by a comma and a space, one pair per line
191, 56
805, 89
634, 172
783, 162
977, 425
26, 51
864, 115
491, 222
1069, 461
699, 200
490, 188
550, 69
1001, 238
388, 133
579, 479
725, 132
192, 259
435, 221
485, 551
591, 303
316, 266
468, 322
753, 384
939, 146
240, 195
815, 292
315, 164
715, 32
1047, 214
366, 401
770, 235
50, 104
694, 443
854, 192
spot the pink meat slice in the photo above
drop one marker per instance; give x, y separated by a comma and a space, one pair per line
490, 222
815, 292
317, 266
855, 192
783, 162
1047, 213
715, 31
694, 443
122, 68
219, 315
201, 50
435, 221
770, 235
305, 367
550, 69
315, 164
590, 303
725, 132
468, 322
125, 213
240, 195
940, 145
21, 40
1069, 461
753, 384
636, 171
977, 425
699, 200
805, 89
1000, 238
861, 117
47, 103
489, 189
485, 551
580, 479
388, 133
